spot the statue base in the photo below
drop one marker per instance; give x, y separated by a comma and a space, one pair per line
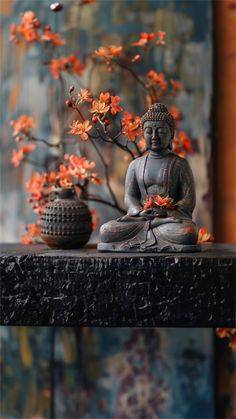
165, 248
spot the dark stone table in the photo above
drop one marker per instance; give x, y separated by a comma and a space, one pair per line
45, 287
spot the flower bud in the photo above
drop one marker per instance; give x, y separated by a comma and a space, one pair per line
47, 28
95, 119
71, 89
107, 122
56, 7
136, 58
69, 103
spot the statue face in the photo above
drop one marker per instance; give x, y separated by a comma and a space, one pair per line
157, 135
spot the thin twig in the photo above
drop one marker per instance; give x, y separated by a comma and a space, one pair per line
132, 72
106, 170
94, 198
41, 140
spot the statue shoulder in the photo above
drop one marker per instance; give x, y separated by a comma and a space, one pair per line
135, 164
181, 161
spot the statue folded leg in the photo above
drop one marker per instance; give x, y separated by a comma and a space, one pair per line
175, 237
118, 234
158, 235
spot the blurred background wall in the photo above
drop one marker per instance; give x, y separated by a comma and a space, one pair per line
27, 87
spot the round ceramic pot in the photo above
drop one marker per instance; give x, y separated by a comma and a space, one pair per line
66, 222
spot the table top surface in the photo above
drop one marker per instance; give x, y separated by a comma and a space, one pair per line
42, 286
219, 251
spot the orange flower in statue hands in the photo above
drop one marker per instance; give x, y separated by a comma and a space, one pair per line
164, 202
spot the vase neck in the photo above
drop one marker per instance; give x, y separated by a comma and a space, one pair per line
68, 193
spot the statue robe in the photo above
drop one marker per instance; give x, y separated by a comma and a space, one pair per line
138, 232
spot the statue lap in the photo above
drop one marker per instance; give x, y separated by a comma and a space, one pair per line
140, 236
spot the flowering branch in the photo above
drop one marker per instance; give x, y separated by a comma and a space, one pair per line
100, 119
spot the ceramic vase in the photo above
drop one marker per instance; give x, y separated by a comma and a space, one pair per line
66, 222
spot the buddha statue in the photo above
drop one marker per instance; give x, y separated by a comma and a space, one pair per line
159, 196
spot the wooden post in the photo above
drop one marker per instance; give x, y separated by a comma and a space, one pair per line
224, 120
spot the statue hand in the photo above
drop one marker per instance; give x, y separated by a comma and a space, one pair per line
140, 216
148, 214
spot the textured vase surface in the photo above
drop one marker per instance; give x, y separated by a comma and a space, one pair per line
66, 222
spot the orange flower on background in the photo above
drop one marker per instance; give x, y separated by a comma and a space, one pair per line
55, 38
56, 66
30, 19
70, 64
115, 51
78, 168
144, 39
35, 185
185, 141
64, 176
81, 2
109, 52
104, 97
51, 177
161, 35
80, 128
33, 232
29, 26
161, 38
29, 30
94, 178
204, 236
95, 218
175, 112
181, 144
19, 155
131, 133
229, 333
99, 107
13, 34
39, 186
115, 108
149, 101
80, 162
84, 96
176, 87
158, 79
22, 125
131, 125
103, 52
74, 65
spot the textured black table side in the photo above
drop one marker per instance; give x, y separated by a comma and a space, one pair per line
44, 287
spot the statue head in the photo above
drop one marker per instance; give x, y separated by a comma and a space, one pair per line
158, 127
